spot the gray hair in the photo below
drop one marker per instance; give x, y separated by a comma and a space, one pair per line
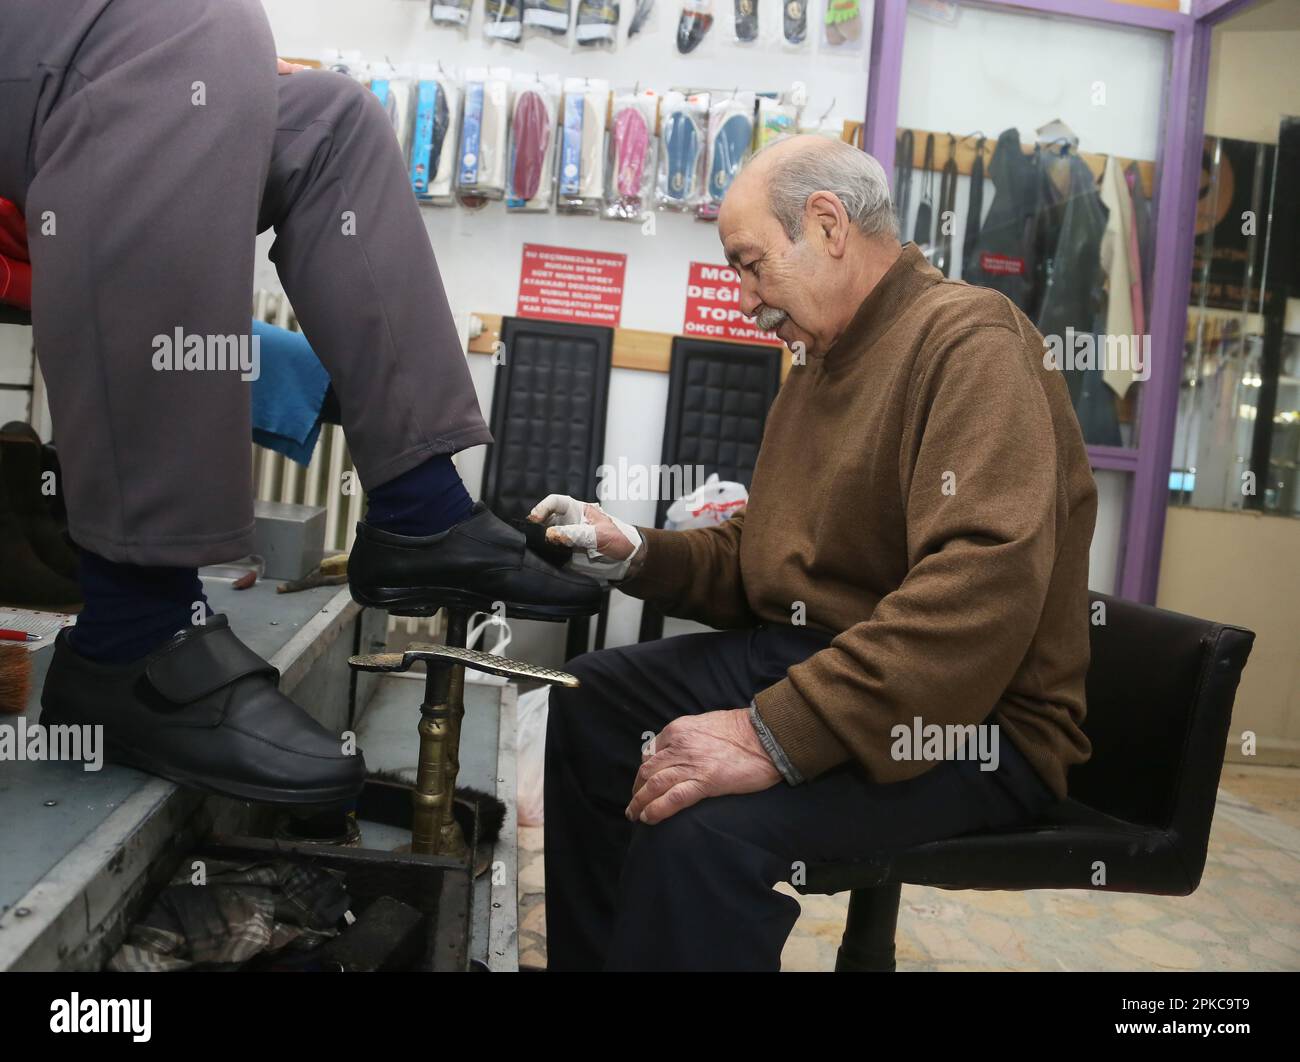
851, 175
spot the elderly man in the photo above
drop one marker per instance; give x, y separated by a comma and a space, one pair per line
912, 565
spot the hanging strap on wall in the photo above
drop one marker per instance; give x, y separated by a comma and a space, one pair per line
947, 209
923, 230
975, 210
903, 152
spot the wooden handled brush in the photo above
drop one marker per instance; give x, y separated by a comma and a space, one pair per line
15, 678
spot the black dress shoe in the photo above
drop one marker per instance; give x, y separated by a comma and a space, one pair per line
203, 711
477, 563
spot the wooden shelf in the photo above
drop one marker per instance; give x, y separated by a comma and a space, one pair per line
634, 348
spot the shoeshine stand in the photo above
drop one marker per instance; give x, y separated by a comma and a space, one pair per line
434, 829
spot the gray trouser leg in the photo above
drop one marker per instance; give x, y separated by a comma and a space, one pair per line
170, 142
354, 257
142, 213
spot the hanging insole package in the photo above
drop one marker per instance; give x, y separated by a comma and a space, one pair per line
451, 12
550, 17
481, 167
530, 182
582, 146
503, 20
731, 132
679, 183
630, 175
776, 118
396, 93
597, 24
433, 141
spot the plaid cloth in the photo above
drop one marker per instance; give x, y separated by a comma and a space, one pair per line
242, 910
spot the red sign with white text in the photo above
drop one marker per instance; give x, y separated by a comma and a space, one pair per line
713, 306
565, 284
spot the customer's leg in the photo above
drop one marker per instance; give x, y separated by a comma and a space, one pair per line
141, 218
355, 260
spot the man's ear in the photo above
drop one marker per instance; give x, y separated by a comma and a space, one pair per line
827, 213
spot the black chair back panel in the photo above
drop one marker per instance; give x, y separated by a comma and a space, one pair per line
718, 398
1160, 693
548, 413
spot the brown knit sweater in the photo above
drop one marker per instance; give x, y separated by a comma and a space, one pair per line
923, 490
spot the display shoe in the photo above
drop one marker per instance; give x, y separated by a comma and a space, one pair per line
204, 710
21, 479
476, 564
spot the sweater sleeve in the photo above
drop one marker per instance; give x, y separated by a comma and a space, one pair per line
978, 471
694, 574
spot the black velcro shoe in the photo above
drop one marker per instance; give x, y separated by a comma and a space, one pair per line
477, 563
204, 711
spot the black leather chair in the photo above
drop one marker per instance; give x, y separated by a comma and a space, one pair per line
718, 398
13, 315
548, 420
1160, 690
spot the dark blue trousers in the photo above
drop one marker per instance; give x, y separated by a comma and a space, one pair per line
695, 892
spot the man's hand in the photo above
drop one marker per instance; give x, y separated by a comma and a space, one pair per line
698, 756
604, 546
284, 67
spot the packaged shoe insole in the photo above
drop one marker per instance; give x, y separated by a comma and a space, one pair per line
696, 18
451, 12
503, 20
483, 147
549, 15
795, 21
630, 174
682, 123
431, 118
746, 20
731, 132
581, 168
532, 136
597, 23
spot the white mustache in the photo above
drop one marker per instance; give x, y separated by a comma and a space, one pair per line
769, 319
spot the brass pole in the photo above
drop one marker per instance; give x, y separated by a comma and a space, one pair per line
432, 790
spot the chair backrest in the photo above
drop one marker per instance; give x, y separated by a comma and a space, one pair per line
718, 398
1160, 690
548, 414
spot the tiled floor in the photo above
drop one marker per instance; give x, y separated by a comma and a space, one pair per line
1245, 915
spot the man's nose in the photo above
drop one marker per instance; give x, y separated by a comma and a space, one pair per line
749, 300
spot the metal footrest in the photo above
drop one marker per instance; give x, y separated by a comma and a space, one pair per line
471, 658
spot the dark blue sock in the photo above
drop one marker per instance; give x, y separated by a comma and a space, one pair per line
421, 501
131, 610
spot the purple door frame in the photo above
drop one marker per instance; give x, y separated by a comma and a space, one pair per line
1178, 169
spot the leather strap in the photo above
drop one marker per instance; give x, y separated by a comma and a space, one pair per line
923, 231
947, 209
202, 661
975, 209
903, 153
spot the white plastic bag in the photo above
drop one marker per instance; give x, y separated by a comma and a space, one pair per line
713, 503
530, 763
